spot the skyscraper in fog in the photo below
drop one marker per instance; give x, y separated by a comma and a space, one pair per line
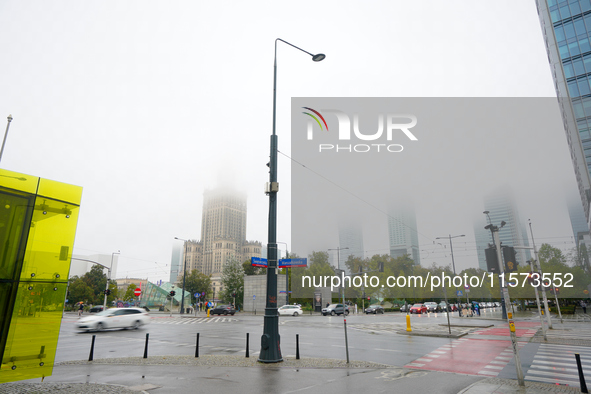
501, 207
402, 231
566, 26
350, 237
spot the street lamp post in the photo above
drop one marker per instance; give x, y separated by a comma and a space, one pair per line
5, 135
453, 264
286, 274
109, 279
270, 349
344, 305
184, 276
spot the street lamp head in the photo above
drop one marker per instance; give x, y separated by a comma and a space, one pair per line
319, 57
485, 212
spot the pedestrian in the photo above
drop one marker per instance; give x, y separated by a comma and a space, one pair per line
574, 308
327, 304
584, 306
80, 309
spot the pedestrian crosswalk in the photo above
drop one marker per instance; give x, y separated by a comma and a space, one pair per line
557, 364
192, 320
569, 334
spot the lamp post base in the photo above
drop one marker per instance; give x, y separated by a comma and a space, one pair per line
270, 340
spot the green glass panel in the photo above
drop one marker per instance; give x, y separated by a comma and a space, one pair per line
17, 181
34, 331
51, 239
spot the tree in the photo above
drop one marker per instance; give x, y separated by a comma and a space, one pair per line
197, 282
233, 281
250, 270
79, 291
129, 295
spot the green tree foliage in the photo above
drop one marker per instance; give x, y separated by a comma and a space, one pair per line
197, 282
250, 270
90, 287
129, 295
233, 281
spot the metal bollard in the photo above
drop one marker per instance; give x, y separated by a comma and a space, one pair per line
146, 348
408, 323
197, 347
297, 346
247, 355
91, 356
581, 377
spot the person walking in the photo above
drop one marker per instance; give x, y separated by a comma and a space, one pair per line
80, 309
584, 306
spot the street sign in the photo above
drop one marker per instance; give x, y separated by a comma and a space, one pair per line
196, 295
254, 297
258, 262
459, 293
293, 263
137, 292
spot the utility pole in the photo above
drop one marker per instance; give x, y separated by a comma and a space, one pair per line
538, 269
495, 234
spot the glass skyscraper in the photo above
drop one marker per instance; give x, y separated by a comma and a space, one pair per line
566, 26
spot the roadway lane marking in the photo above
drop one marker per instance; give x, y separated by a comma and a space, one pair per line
414, 365
493, 367
387, 350
498, 362
490, 373
425, 360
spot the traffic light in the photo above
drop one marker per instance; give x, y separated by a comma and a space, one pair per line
172, 293
368, 298
510, 259
107, 291
233, 294
492, 262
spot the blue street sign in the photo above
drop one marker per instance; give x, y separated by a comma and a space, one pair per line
258, 262
196, 295
293, 263
459, 293
254, 297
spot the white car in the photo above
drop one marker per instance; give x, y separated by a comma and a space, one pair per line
292, 310
114, 318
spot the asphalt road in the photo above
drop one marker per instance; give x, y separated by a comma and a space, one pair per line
369, 338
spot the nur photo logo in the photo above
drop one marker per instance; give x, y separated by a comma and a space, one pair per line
389, 127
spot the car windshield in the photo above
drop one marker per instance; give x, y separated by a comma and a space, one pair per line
417, 305
332, 306
374, 306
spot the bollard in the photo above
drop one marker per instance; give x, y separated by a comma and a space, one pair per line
91, 356
297, 346
208, 313
247, 356
146, 348
581, 377
408, 323
197, 347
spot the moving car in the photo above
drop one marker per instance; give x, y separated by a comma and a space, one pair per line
96, 308
375, 309
335, 309
291, 310
114, 318
418, 309
432, 306
223, 310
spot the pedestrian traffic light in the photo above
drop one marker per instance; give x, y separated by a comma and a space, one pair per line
107, 291
492, 262
510, 259
172, 293
368, 298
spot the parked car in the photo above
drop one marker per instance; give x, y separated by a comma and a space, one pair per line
432, 306
443, 307
291, 310
335, 309
223, 310
418, 309
404, 307
96, 308
114, 318
375, 309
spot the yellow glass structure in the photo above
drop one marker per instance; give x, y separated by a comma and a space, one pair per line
38, 219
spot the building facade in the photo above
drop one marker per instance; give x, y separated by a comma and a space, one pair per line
403, 235
502, 208
566, 27
223, 235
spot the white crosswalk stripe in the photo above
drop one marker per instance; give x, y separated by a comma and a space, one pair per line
557, 364
199, 320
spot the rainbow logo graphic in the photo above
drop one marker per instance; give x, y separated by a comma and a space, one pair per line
315, 118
